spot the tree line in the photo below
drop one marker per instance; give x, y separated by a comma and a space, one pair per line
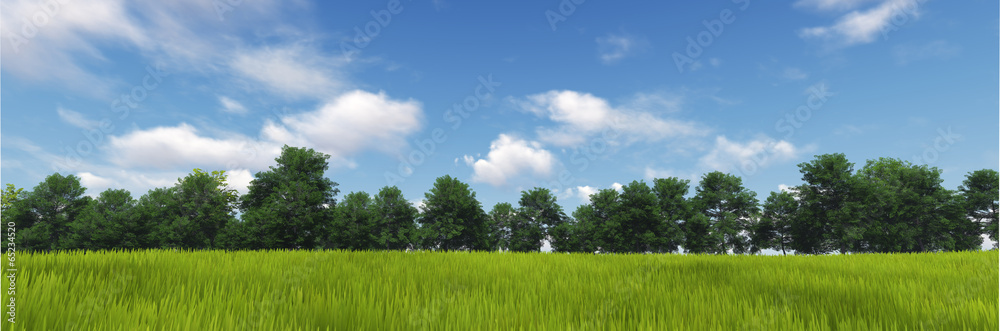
888, 205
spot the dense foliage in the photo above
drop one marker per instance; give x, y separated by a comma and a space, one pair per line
889, 205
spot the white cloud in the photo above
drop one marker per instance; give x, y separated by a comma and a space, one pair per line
419, 203
239, 179
509, 157
784, 188
617, 186
651, 173
76, 119
582, 115
858, 27
351, 122
346, 125
730, 155
77, 35
232, 106
294, 71
94, 184
585, 192
171, 147
614, 47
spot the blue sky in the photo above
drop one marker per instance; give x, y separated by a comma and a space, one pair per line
505, 95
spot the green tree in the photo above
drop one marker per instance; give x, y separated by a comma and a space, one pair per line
452, 217
605, 221
526, 234
981, 195
354, 227
830, 207
501, 217
641, 220
204, 208
729, 206
44, 215
158, 209
292, 204
699, 236
777, 215
111, 222
395, 219
9, 196
538, 215
907, 210
674, 210
581, 233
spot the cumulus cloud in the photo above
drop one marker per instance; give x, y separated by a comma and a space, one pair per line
509, 157
582, 115
614, 47
94, 183
169, 147
239, 179
353, 121
617, 186
585, 192
858, 27
761, 152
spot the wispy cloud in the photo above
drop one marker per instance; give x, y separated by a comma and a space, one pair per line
857, 26
612, 48
76, 119
831, 5
294, 71
232, 106
79, 36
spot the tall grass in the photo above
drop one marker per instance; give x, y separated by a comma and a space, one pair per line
336, 290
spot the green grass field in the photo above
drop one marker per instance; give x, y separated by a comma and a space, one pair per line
335, 290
